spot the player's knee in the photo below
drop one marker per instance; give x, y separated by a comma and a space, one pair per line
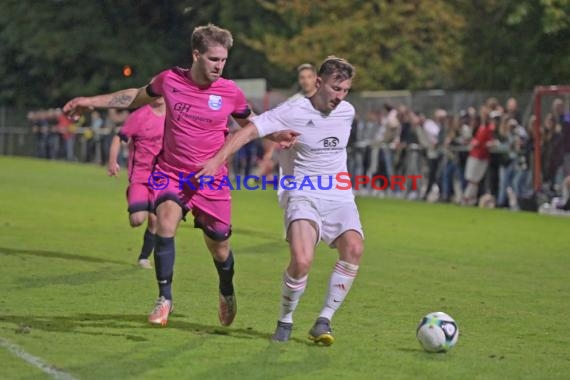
136, 223
300, 266
214, 230
168, 215
354, 250
152, 223
217, 235
166, 229
136, 219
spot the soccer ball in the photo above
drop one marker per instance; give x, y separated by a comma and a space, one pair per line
437, 332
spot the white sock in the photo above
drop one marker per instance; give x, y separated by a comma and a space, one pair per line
341, 280
291, 291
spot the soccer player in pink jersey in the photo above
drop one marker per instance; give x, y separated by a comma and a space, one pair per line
198, 104
143, 131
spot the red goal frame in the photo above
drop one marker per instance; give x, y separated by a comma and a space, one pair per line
539, 91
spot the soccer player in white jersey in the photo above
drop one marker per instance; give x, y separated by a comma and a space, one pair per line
315, 213
307, 81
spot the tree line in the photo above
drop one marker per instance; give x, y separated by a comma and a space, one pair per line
53, 49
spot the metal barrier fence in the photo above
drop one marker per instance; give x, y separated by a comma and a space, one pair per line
86, 145
83, 145
445, 171
428, 101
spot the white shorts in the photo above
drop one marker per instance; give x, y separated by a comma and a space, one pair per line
475, 169
332, 218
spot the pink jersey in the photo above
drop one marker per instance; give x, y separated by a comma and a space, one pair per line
196, 118
145, 130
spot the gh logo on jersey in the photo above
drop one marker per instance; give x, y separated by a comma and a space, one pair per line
182, 109
330, 142
215, 102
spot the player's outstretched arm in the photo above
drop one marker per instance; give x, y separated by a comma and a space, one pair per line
129, 98
232, 145
113, 165
285, 138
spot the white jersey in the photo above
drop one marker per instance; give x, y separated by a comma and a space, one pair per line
295, 96
311, 167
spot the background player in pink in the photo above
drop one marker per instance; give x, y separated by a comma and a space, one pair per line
198, 104
143, 130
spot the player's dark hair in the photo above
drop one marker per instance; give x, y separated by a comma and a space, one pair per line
337, 67
205, 36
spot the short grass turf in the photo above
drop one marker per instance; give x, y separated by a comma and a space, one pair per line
73, 296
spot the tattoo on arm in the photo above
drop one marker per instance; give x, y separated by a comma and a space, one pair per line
122, 100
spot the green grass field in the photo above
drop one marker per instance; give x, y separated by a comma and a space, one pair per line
72, 295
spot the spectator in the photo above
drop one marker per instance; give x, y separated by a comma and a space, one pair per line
414, 143
556, 152
521, 168
352, 147
512, 110
494, 106
432, 131
389, 139
40, 129
557, 159
92, 137
491, 184
566, 160
451, 171
478, 160
54, 136
113, 123
369, 129
467, 121
66, 131
508, 159
406, 138
550, 142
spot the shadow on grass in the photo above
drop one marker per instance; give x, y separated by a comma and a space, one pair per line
264, 364
57, 255
273, 362
265, 248
420, 353
407, 349
275, 236
104, 273
276, 242
82, 323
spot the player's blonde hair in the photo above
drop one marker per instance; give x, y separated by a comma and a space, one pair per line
209, 35
336, 67
306, 66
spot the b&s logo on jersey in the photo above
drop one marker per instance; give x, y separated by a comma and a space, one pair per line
215, 102
328, 145
330, 142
